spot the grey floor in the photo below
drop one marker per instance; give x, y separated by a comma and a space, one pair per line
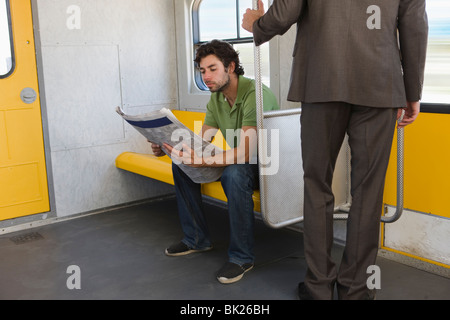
120, 255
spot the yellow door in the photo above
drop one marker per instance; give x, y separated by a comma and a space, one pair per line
23, 176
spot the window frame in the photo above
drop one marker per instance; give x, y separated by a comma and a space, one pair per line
11, 41
429, 107
196, 26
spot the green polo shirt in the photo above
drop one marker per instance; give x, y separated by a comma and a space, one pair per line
220, 115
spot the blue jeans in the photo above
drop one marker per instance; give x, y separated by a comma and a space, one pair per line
238, 182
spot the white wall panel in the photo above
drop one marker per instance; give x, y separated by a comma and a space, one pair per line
416, 233
83, 88
118, 53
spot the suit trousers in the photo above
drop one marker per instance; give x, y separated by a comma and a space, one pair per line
370, 131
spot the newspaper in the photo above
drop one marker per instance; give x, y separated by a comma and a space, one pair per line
162, 126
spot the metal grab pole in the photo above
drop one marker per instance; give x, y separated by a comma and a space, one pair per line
259, 121
400, 171
258, 82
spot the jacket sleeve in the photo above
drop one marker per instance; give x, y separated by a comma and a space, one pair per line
413, 35
278, 19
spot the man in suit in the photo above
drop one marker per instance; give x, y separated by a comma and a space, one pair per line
356, 65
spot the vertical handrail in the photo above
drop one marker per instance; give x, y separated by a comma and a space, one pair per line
400, 172
259, 118
258, 81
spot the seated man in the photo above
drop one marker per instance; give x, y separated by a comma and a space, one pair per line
232, 106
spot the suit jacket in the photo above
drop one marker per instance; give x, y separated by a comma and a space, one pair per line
364, 52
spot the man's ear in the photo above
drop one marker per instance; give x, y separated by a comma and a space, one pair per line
231, 67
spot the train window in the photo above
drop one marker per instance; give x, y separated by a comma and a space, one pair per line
218, 19
437, 70
6, 46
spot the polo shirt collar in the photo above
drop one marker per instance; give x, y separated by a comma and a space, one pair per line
242, 89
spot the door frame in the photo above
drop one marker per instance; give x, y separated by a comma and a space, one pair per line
29, 221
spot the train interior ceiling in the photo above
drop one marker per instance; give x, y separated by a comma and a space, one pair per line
68, 64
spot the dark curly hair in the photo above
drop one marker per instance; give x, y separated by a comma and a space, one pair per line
222, 50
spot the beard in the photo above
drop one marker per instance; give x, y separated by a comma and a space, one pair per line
221, 85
